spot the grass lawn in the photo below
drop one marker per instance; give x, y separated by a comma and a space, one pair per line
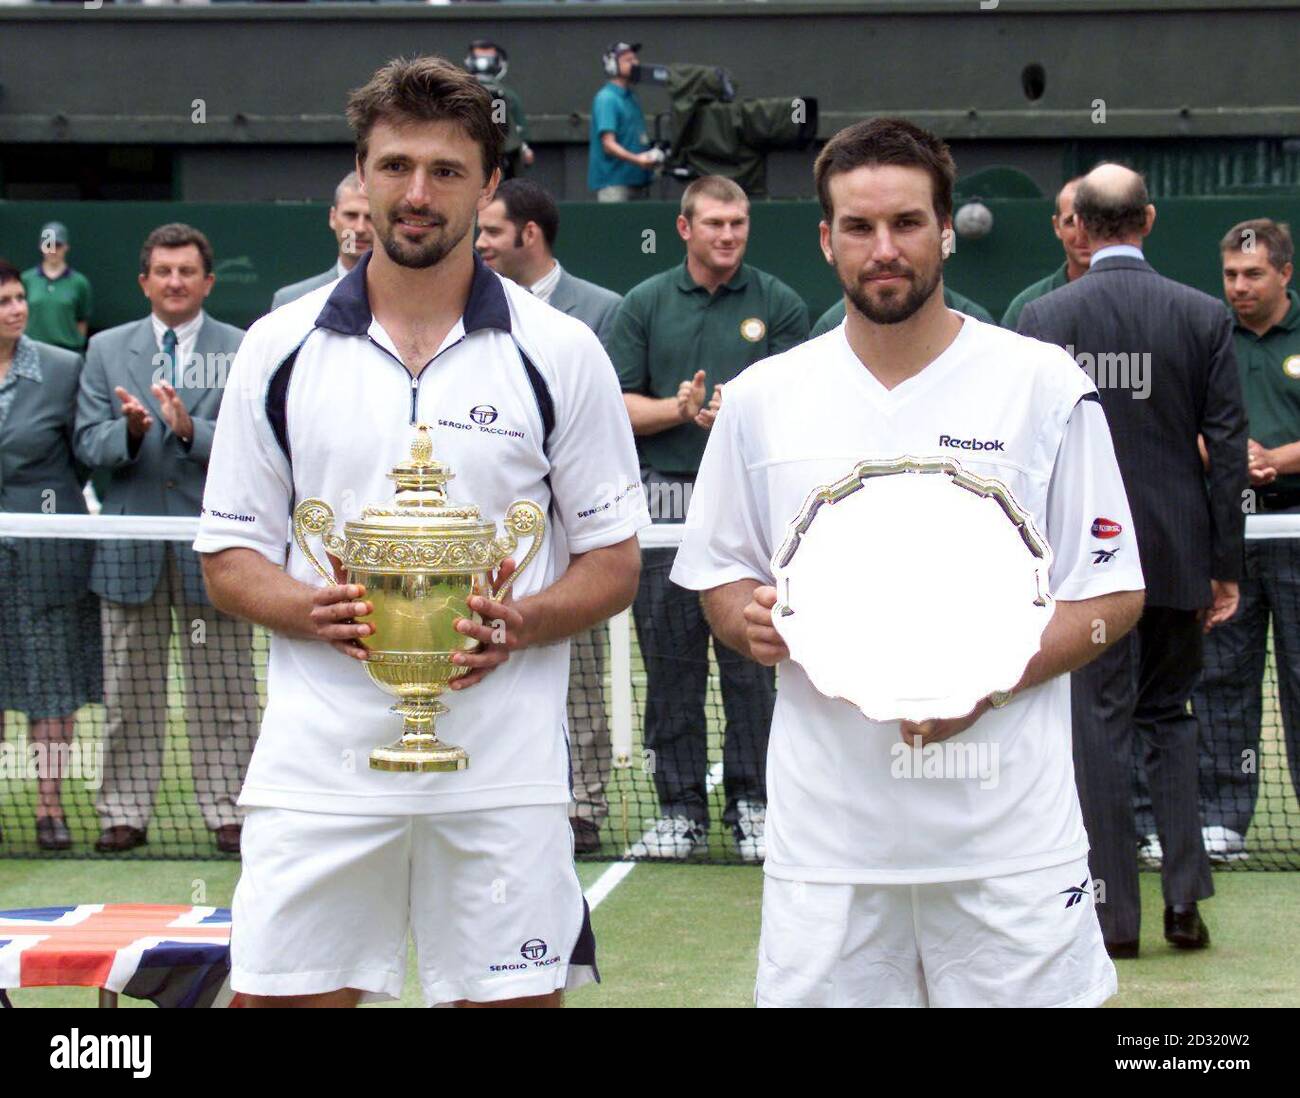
685, 936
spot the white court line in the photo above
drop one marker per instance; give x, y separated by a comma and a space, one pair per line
618, 871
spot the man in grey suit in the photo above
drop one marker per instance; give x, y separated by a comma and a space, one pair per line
516, 238
1162, 356
146, 411
349, 220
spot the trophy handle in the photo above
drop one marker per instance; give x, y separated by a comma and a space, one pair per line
315, 516
523, 519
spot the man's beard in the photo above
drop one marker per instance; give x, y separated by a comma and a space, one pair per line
422, 254
898, 308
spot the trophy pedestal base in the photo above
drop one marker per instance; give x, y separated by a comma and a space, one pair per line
421, 754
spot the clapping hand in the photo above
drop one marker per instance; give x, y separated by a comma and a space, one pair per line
690, 397
174, 412
138, 419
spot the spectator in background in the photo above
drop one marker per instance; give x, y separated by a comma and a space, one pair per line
146, 411
1129, 326
676, 334
619, 159
516, 238
834, 316
349, 219
1257, 266
58, 298
1074, 241
487, 63
50, 662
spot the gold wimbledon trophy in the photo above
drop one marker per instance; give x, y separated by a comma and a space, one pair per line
419, 558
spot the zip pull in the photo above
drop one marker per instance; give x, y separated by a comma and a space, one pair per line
415, 392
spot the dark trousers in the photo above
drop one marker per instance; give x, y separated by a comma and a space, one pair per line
674, 640
1228, 703
1141, 682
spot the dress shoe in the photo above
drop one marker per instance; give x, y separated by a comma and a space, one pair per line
1122, 951
228, 838
115, 840
52, 833
586, 836
1184, 927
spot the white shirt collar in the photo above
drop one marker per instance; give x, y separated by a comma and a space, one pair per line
545, 286
339, 269
185, 333
1112, 250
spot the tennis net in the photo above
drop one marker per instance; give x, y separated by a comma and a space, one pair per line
140, 710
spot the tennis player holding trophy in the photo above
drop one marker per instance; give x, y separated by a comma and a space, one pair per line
919, 518
352, 841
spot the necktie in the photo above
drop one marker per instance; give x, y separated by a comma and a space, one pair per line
169, 351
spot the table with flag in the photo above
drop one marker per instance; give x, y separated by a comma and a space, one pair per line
172, 954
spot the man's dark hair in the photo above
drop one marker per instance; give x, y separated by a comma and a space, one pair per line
1109, 216
1274, 235
9, 273
886, 141
426, 89
525, 201
175, 235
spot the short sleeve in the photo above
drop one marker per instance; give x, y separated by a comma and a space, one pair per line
790, 324
725, 537
595, 476
1089, 524
249, 488
604, 115
629, 347
85, 300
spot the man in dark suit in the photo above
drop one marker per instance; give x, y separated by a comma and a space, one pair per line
1162, 356
146, 411
516, 238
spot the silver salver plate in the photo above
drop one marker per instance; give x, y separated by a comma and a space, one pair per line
912, 589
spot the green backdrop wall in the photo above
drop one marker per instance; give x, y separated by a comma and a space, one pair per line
260, 247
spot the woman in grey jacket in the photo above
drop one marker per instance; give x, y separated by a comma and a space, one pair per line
50, 661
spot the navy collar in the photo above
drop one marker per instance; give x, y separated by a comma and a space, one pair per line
347, 310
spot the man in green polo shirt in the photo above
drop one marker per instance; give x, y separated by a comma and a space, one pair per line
1257, 267
58, 298
619, 158
834, 316
678, 336
1077, 255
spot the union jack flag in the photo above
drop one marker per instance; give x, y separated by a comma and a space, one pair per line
174, 955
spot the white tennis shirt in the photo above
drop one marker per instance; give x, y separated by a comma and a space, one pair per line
842, 806
330, 421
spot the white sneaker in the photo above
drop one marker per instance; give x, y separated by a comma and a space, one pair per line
1224, 845
751, 843
674, 837
1150, 853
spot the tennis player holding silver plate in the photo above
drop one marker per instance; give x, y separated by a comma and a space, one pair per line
931, 508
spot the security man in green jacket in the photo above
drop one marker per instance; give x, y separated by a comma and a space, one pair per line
677, 339
1077, 256
1257, 267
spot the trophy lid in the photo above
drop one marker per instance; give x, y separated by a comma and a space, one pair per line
421, 497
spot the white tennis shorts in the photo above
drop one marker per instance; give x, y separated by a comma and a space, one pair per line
1023, 940
326, 902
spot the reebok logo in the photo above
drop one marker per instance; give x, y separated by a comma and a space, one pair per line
971, 443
